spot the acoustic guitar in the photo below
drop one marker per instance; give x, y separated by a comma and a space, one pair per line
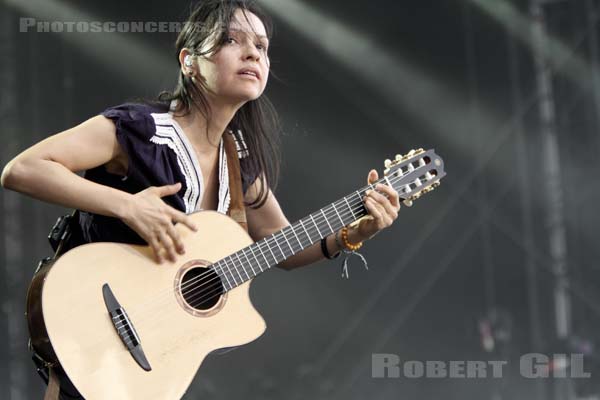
124, 327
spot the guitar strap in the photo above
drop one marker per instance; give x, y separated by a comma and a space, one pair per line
237, 209
53, 390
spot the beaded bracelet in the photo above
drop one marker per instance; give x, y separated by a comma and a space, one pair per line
349, 249
347, 244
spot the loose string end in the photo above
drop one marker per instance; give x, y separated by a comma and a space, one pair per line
345, 273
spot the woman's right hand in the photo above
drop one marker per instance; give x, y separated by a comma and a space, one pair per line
152, 219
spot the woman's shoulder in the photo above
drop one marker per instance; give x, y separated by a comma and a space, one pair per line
135, 110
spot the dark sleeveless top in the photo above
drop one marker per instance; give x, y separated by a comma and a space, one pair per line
159, 154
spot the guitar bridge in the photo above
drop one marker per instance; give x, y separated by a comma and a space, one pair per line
124, 328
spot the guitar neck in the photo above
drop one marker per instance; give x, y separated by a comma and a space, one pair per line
260, 256
413, 175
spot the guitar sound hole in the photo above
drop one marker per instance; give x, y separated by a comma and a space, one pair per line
201, 288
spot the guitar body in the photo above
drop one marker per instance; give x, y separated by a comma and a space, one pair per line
69, 319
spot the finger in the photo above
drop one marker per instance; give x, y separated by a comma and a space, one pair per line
176, 239
378, 212
167, 243
370, 204
178, 216
153, 242
373, 176
169, 189
393, 195
385, 202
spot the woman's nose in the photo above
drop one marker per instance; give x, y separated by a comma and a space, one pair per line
251, 52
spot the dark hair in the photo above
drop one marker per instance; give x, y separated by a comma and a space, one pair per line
257, 119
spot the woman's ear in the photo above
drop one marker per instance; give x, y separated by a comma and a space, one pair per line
186, 60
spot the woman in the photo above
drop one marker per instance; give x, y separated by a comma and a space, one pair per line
149, 165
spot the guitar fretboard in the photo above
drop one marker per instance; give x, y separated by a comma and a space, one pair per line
260, 256
412, 174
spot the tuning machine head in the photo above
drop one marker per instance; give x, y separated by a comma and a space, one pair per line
399, 158
420, 193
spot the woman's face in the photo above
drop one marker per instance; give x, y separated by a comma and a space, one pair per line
238, 72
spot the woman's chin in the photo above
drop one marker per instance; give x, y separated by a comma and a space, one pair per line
245, 97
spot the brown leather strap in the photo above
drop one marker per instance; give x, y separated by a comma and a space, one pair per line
53, 390
237, 209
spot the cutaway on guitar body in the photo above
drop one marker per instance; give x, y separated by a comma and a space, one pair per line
180, 312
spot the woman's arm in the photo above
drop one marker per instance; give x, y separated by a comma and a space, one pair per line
269, 219
47, 171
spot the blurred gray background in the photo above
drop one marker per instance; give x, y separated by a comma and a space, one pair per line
500, 261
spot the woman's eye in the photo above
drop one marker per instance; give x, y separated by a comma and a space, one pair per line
230, 40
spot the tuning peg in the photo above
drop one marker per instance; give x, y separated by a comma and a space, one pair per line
436, 184
407, 203
387, 170
415, 196
419, 151
387, 163
399, 157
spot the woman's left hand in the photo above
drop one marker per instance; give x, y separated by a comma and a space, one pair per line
382, 204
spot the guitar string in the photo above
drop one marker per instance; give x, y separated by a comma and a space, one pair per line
356, 206
360, 203
217, 291
143, 319
230, 268
212, 293
291, 227
314, 230
269, 242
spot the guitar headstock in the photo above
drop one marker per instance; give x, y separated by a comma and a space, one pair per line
414, 174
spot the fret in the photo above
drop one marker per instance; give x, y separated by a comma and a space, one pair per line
254, 255
325, 216
230, 272
249, 263
236, 270
338, 214
288, 243
280, 249
263, 255
360, 199
241, 264
316, 226
271, 251
247, 259
305, 231
224, 275
350, 208
299, 242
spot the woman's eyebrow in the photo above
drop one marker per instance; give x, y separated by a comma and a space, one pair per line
247, 32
